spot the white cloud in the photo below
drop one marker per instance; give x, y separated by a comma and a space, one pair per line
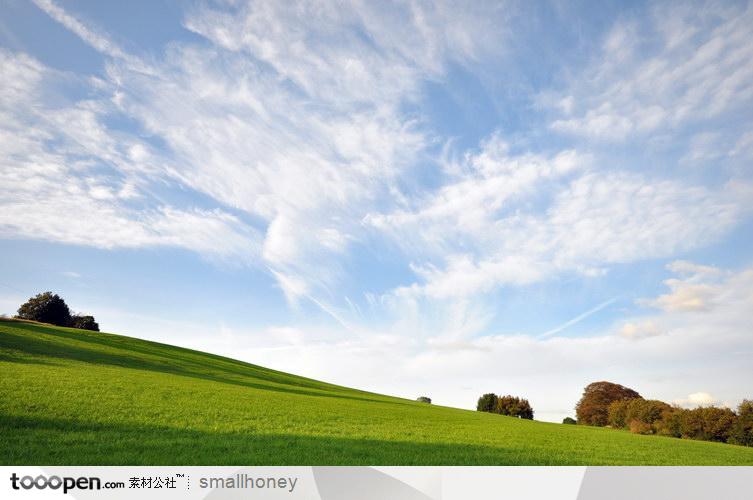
698, 290
97, 41
696, 399
686, 297
687, 268
66, 178
684, 64
550, 372
91, 36
640, 329
294, 116
743, 146
305, 164
703, 147
517, 219
660, 356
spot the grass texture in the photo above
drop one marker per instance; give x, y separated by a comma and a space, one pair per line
74, 397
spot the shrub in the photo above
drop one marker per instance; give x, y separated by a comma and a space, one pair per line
638, 427
514, 407
487, 402
569, 421
592, 409
46, 308
742, 432
423, 399
84, 322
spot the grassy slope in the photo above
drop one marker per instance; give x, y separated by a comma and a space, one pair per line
75, 397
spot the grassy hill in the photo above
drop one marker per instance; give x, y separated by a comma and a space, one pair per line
78, 397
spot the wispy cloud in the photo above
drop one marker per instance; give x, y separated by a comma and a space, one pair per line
68, 178
675, 66
509, 219
92, 37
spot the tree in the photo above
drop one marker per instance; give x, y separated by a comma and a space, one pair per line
423, 399
87, 323
671, 422
525, 410
742, 432
708, 423
617, 413
593, 407
642, 416
46, 307
507, 405
487, 402
719, 423
514, 407
645, 411
569, 421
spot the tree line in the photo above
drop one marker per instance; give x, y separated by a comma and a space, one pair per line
505, 405
50, 308
606, 404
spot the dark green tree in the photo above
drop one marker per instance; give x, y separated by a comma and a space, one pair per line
514, 407
742, 433
84, 322
46, 307
525, 410
569, 421
487, 402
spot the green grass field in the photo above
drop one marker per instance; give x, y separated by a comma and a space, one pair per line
85, 398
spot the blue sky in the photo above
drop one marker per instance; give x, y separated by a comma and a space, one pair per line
413, 198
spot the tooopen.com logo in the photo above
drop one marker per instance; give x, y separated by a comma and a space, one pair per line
56, 482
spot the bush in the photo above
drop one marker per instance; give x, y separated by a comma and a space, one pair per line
487, 402
637, 427
742, 432
46, 308
569, 421
514, 407
85, 323
423, 399
593, 407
